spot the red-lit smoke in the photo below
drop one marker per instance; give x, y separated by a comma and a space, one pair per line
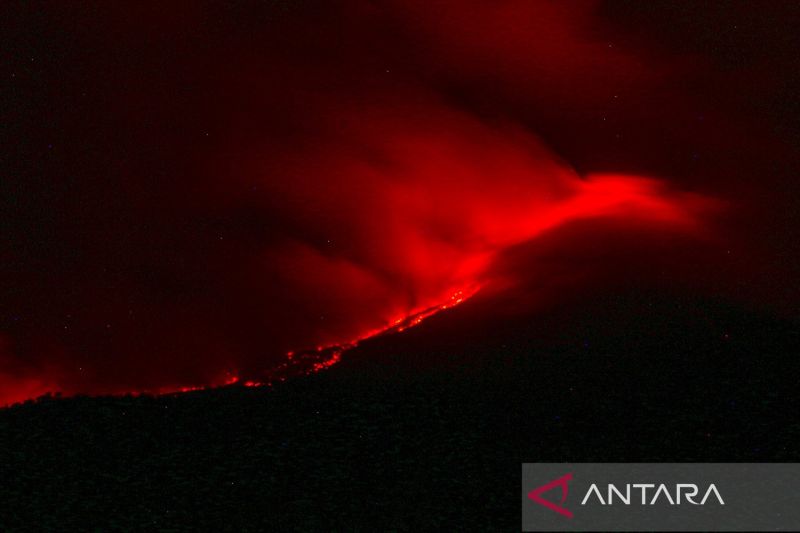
293, 178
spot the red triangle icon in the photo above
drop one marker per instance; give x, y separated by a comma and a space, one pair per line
536, 495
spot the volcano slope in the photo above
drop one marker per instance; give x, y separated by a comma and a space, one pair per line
421, 429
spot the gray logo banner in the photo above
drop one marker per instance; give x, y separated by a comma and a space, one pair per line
660, 497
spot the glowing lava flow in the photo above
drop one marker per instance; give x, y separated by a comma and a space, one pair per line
313, 360
309, 361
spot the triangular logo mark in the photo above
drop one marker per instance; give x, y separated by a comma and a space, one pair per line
536, 495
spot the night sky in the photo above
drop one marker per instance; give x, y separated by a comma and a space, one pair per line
190, 190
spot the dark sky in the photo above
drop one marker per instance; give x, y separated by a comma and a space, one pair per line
190, 189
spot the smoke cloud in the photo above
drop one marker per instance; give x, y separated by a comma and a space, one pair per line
200, 189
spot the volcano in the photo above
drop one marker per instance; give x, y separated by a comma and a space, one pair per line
293, 265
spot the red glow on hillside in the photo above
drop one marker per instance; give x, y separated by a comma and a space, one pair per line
304, 362
322, 357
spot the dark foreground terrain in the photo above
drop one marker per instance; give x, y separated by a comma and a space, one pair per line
433, 440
